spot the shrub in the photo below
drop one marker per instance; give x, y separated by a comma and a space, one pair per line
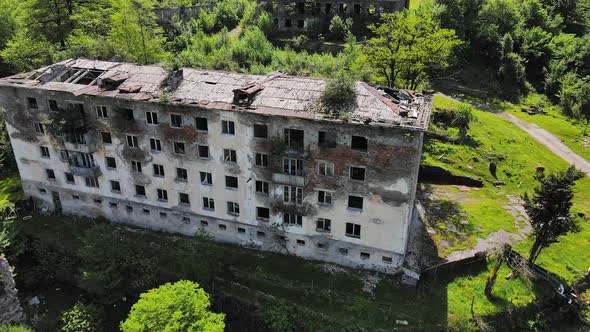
264, 23
340, 92
80, 318
339, 27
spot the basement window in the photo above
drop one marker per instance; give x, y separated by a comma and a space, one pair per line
260, 131
97, 201
163, 215
301, 242
241, 230
42, 191
365, 255
186, 220
204, 223
260, 234
322, 245
129, 208
146, 211
355, 202
387, 260
76, 197
222, 227
359, 143
113, 205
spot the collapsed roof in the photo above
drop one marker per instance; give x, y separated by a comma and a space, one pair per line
273, 94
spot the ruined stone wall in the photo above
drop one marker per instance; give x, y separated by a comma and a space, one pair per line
10, 308
391, 163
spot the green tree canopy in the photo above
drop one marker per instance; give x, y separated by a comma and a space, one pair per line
408, 45
182, 306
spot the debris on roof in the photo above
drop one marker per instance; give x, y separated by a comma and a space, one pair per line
272, 94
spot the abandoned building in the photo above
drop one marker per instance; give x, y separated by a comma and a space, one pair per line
297, 15
252, 160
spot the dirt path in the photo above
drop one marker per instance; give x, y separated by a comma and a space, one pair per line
540, 135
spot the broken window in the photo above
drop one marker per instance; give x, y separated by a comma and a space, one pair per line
203, 151
327, 139
228, 127
115, 186
301, 242
343, 251
181, 174
293, 138
151, 117
183, 199
261, 160
145, 211
163, 215
229, 155
300, 24
301, 8
233, 208
32, 103
111, 162
158, 170
176, 120
326, 168
155, 144
262, 213
323, 225
357, 173
292, 219
38, 127
101, 112
106, 137
262, 187
324, 197
208, 203
136, 166
113, 205
162, 195
53, 106
288, 23
179, 147
359, 143
91, 181
204, 223
292, 194
231, 182
387, 259
222, 227
70, 178
241, 230
139, 190
132, 141
260, 131
355, 202
293, 166
206, 178
44, 152
353, 230
365, 255
128, 114
260, 234
201, 124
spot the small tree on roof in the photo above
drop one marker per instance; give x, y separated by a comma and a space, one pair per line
339, 93
549, 208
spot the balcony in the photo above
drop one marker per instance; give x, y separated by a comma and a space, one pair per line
84, 171
84, 143
291, 180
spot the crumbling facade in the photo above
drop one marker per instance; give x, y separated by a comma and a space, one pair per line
253, 160
296, 15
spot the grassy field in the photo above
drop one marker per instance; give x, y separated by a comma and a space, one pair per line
517, 157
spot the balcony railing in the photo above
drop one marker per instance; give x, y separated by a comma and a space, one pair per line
291, 180
84, 171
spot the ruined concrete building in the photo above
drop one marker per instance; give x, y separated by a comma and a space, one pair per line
297, 15
253, 160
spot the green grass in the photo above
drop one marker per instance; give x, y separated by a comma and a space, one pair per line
517, 156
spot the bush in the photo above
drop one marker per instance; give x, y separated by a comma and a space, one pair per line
339, 93
265, 24
339, 27
313, 27
15, 328
80, 318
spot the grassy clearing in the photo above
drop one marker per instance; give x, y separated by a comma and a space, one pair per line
517, 157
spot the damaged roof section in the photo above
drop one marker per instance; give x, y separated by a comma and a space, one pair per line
273, 94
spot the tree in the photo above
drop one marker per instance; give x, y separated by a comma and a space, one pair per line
339, 93
511, 73
25, 51
134, 32
182, 306
410, 44
79, 318
549, 208
339, 27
